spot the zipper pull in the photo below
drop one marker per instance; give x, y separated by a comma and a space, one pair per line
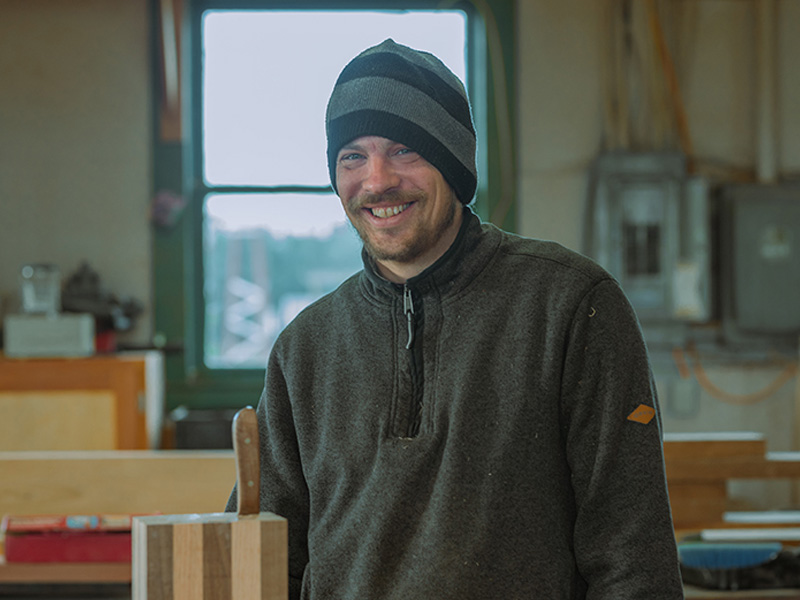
408, 309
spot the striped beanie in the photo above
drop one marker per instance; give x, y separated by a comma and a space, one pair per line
409, 97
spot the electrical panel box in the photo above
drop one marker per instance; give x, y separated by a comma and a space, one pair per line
650, 227
760, 261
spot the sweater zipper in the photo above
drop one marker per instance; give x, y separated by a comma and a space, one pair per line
415, 415
408, 309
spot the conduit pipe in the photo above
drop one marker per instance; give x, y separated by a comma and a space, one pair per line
766, 130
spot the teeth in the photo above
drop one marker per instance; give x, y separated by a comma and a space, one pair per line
389, 211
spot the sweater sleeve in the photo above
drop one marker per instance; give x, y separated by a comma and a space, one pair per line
283, 487
624, 540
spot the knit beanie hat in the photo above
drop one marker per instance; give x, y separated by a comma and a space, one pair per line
409, 97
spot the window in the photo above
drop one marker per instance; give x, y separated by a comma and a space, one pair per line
274, 236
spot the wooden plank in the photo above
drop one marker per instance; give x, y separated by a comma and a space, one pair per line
714, 445
116, 482
274, 561
58, 420
152, 561
719, 469
188, 566
215, 557
697, 503
65, 573
246, 560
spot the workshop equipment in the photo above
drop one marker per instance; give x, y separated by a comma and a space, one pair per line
218, 556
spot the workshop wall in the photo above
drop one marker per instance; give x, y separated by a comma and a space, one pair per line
562, 82
75, 143
562, 65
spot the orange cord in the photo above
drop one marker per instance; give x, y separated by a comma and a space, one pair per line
739, 399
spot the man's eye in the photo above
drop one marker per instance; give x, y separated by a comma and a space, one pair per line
349, 156
405, 153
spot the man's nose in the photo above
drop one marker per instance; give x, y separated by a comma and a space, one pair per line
381, 175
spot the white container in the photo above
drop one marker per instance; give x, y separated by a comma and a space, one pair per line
54, 335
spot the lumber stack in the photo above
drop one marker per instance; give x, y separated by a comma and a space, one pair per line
699, 467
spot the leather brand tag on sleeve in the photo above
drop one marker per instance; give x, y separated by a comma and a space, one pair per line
642, 414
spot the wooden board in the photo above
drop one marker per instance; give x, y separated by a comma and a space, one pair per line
697, 503
53, 420
783, 465
116, 482
215, 556
714, 445
98, 573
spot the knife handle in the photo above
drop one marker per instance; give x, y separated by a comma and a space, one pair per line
246, 451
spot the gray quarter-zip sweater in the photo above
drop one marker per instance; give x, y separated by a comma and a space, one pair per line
487, 431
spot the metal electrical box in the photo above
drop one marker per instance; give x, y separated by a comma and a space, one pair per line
650, 227
760, 261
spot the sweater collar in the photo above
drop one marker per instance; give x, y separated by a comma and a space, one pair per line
451, 272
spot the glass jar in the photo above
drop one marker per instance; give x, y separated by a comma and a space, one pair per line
40, 289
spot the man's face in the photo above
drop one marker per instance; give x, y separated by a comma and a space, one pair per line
405, 212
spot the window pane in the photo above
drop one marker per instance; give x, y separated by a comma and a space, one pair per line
267, 76
266, 257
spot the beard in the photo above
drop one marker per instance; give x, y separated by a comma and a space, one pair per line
425, 237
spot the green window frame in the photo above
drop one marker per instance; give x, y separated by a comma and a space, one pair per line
177, 251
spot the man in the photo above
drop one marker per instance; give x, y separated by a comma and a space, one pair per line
472, 416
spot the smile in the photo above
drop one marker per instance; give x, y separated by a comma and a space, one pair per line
383, 212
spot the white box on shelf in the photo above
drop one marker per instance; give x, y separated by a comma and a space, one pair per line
63, 334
